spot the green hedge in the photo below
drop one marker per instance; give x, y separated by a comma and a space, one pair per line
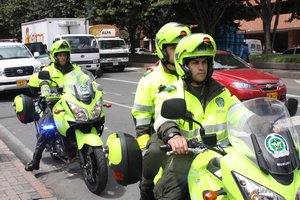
276, 58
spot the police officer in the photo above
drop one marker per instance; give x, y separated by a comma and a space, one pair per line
207, 102
61, 65
153, 82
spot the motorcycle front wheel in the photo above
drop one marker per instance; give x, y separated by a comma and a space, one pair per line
94, 168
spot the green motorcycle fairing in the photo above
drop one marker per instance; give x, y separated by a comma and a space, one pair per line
263, 162
63, 114
200, 178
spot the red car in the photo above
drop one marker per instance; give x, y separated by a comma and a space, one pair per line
242, 80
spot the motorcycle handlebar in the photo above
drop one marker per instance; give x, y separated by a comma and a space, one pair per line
194, 146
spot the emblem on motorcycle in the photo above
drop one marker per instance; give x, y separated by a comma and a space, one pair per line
20, 71
84, 89
220, 102
276, 145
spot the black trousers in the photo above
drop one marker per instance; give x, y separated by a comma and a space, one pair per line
152, 160
46, 119
173, 183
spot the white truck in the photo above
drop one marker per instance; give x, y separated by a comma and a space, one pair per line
113, 50
84, 47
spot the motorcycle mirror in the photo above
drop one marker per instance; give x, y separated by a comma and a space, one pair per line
210, 139
173, 108
292, 106
44, 75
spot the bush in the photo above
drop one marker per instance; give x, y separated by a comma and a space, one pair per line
275, 58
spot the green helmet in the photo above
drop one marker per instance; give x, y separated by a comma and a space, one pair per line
193, 46
170, 33
60, 46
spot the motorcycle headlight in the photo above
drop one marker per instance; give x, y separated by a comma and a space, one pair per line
252, 190
97, 109
79, 113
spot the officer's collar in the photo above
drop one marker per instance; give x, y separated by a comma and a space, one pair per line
167, 70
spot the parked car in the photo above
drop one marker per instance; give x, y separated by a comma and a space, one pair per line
39, 51
142, 51
16, 66
292, 51
244, 81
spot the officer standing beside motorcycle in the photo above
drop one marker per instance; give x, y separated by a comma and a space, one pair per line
61, 65
153, 82
207, 102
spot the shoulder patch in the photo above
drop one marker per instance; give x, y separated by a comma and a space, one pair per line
148, 72
169, 88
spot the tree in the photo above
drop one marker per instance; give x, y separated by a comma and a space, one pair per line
126, 14
13, 13
158, 14
208, 13
265, 9
296, 10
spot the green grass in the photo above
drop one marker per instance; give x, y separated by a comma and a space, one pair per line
276, 58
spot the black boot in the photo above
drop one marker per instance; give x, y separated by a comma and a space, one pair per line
34, 164
146, 192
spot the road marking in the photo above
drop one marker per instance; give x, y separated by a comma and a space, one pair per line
132, 68
292, 95
118, 104
113, 93
297, 81
118, 80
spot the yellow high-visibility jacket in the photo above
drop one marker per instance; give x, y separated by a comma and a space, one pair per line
149, 86
213, 117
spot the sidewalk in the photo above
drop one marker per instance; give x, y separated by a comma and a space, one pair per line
15, 182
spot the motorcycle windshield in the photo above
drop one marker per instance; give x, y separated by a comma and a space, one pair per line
262, 130
79, 83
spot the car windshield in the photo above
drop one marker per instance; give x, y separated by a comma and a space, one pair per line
14, 51
36, 47
81, 42
111, 44
228, 61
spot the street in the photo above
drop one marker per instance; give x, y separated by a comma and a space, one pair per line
66, 181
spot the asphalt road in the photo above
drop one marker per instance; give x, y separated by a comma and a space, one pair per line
66, 181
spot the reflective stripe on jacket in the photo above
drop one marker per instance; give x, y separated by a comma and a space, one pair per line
55, 74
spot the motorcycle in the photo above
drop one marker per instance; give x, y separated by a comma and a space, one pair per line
77, 124
262, 161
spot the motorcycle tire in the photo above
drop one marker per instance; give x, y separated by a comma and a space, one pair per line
94, 169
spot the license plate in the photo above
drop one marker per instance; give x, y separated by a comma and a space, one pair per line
21, 82
272, 95
115, 63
